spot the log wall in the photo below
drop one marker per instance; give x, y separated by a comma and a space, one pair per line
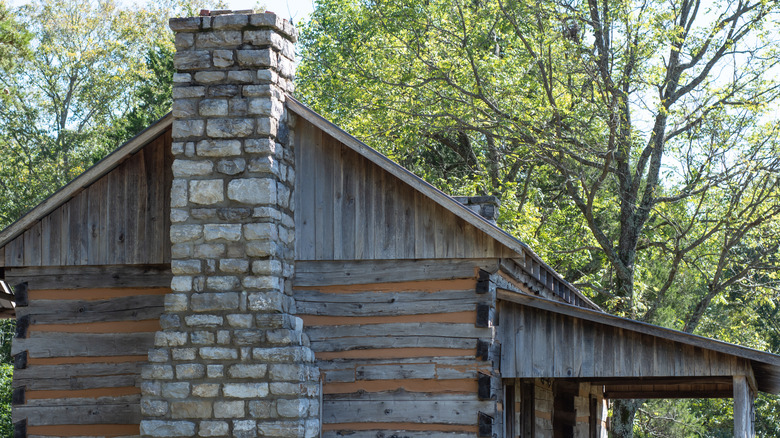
400, 354
122, 218
80, 345
348, 208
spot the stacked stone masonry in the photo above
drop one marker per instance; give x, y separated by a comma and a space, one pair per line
231, 359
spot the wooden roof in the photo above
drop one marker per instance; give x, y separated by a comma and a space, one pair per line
626, 348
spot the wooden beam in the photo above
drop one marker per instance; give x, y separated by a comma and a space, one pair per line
89, 176
744, 408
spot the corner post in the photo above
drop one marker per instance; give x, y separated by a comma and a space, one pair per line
744, 408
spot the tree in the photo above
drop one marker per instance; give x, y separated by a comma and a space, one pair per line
13, 38
632, 137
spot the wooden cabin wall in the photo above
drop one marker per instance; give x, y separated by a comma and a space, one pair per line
348, 208
122, 218
396, 343
80, 345
538, 343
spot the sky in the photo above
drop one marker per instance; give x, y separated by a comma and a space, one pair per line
297, 10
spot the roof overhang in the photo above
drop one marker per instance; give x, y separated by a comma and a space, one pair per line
697, 358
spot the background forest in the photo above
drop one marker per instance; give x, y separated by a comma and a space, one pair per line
633, 144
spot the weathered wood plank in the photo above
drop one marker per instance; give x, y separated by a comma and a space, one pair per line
91, 276
408, 303
338, 201
105, 411
77, 383
80, 311
347, 234
372, 342
96, 196
442, 412
323, 273
32, 245
398, 329
132, 176
49, 344
117, 215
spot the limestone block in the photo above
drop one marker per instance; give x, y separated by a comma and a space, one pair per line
210, 250
231, 166
260, 231
223, 58
295, 408
222, 283
185, 267
215, 371
158, 372
151, 388
181, 283
265, 146
187, 128
213, 428
175, 389
206, 192
248, 337
230, 232
188, 92
218, 353
154, 408
230, 21
281, 429
267, 267
158, 355
266, 107
178, 215
252, 190
190, 371
247, 371
266, 301
202, 337
160, 428
217, 38
192, 60
183, 353
184, 41
262, 409
175, 302
245, 390
218, 148
186, 24
191, 409
185, 108
266, 164
263, 282
256, 58
229, 128
170, 339
179, 193
210, 301
229, 409
203, 320
185, 233
283, 354
213, 107
205, 390
240, 320
266, 126
245, 76
234, 266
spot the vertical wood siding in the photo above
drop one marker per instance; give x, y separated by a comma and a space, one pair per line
538, 343
122, 218
396, 356
88, 334
348, 208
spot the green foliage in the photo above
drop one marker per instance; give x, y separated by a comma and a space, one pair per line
621, 149
14, 38
6, 423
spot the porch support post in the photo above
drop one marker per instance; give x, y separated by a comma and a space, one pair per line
744, 410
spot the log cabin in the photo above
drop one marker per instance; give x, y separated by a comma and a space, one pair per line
243, 267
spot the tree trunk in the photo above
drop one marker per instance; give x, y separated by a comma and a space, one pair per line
622, 422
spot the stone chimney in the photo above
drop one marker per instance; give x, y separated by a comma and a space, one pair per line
485, 206
231, 358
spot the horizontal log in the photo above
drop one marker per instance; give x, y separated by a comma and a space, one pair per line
396, 353
81, 277
80, 430
64, 360
321, 273
81, 311
408, 329
78, 383
396, 371
52, 344
372, 342
374, 304
428, 386
99, 412
441, 412
385, 429
122, 394
40, 372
